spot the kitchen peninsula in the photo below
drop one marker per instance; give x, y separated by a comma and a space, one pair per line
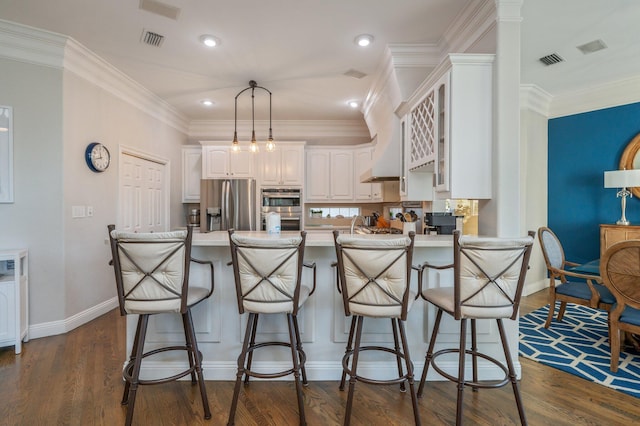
323, 326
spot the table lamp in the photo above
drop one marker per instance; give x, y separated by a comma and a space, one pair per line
622, 179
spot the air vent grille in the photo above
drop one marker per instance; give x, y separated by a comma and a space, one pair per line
554, 58
151, 38
592, 46
355, 74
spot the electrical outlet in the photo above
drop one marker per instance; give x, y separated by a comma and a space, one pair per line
89, 211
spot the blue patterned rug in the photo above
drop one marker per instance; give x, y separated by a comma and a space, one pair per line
578, 345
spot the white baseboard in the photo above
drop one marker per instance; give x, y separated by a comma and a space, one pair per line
530, 288
64, 326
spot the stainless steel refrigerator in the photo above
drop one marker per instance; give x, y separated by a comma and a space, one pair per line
227, 204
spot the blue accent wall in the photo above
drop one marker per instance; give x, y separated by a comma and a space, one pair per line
581, 148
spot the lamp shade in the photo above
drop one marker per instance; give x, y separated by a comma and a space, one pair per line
622, 178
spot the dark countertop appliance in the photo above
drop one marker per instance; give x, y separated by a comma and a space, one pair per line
443, 223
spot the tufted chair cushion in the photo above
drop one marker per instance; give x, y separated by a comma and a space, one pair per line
268, 271
553, 249
489, 274
152, 269
375, 274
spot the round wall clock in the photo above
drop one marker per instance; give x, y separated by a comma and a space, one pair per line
97, 157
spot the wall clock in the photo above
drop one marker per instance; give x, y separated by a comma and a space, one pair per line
97, 157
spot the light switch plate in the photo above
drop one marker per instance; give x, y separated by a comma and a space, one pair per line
77, 211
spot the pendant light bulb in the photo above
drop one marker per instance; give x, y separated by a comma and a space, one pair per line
271, 146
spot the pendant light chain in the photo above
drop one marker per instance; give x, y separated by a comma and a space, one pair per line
254, 145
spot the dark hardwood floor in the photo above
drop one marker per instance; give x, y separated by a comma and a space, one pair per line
74, 379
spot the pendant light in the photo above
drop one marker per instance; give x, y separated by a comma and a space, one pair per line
254, 144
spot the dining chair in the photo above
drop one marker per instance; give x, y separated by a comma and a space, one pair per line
488, 277
574, 287
620, 271
374, 280
268, 280
152, 277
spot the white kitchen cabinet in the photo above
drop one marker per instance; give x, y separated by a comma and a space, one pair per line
282, 167
191, 173
413, 185
464, 128
422, 132
365, 191
223, 162
14, 298
329, 175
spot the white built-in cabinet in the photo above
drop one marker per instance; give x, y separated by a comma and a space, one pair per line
191, 173
414, 185
329, 174
447, 129
365, 191
14, 298
282, 167
223, 162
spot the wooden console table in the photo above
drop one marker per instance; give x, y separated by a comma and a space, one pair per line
611, 234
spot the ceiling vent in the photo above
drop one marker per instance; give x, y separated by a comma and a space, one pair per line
160, 8
355, 74
554, 58
592, 46
151, 38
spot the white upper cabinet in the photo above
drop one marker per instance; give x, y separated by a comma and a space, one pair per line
223, 162
465, 133
282, 167
329, 175
365, 191
422, 132
191, 173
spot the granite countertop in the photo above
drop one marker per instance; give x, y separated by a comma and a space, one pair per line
314, 239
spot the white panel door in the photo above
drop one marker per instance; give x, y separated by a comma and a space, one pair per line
143, 195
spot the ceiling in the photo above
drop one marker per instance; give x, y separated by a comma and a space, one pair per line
300, 50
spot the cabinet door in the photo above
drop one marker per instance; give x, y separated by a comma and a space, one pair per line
270, 163
191, 174
241, 164
7, 312
442, 134
341, 175
363, 191
422, 133
215, 162
292, 165
317, 175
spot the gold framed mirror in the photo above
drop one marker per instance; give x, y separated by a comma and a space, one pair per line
631, 160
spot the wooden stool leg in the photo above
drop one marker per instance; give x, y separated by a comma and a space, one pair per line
296, 367
242, 358
461, 359
135, 375
396, 343
429, 356
512, 372
348, 348
353, 377
197, 359
552, 307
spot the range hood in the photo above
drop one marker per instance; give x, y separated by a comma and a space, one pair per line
385, 162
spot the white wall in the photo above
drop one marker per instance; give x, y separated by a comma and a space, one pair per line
92, 113
34, 220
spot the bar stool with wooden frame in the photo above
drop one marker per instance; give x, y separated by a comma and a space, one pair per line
268, 278
152, 277
488, 277
374, 276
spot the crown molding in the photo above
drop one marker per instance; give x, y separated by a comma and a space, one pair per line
313, 131
535, 99
91, 67
605, 95
475, 20
31, 45
39, 47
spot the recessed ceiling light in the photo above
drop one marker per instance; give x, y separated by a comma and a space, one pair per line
207, 102
353, 104
209, 40
4, 129
364, 40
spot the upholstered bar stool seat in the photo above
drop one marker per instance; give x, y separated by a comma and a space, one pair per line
152, 277
488, 276
268, 278
374, 280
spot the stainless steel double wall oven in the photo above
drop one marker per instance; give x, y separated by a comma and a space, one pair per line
287, 202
